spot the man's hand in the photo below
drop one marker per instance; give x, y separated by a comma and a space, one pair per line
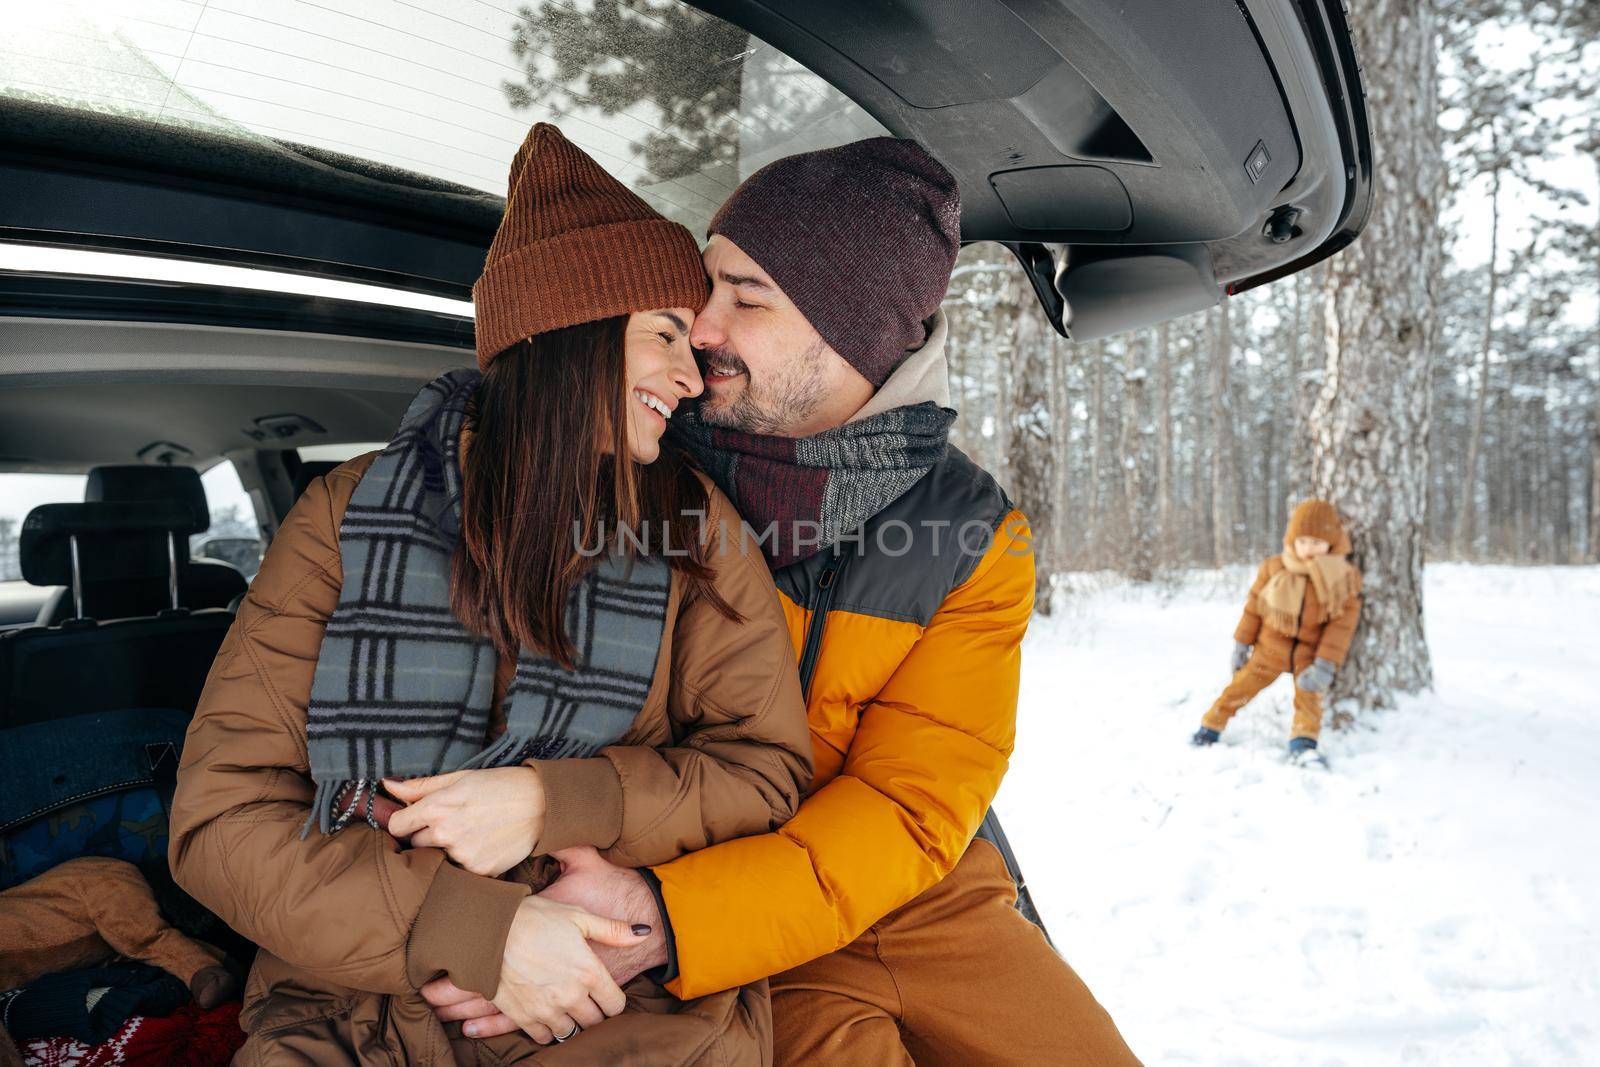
488, 820
586, 882
551, 984
589, 882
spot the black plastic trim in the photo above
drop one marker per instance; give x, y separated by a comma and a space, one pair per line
1328, 29
81, 179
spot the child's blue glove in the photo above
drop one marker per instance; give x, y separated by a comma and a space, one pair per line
1241, 656
1317, 677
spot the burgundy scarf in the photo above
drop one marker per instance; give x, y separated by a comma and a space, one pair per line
801, 494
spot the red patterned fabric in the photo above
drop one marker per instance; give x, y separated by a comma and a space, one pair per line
189, 1037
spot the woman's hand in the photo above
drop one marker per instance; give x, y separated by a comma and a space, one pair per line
488, 821
550, 980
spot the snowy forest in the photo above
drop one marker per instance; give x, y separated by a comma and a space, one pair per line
1445, 395
1184, 443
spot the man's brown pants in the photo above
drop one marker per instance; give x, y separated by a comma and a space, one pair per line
956, 977
1263, 668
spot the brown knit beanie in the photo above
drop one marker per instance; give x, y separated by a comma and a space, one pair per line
576, 245
862, 238
1319, 519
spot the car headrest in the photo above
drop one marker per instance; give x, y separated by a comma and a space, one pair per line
116, 541
135, 483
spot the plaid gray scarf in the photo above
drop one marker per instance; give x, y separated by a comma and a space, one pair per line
801, 494
402, 689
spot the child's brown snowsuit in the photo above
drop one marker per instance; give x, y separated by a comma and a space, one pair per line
89, 911
1286, 620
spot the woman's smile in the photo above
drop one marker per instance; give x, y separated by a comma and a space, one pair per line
657, 406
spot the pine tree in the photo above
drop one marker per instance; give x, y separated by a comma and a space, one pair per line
1370, 420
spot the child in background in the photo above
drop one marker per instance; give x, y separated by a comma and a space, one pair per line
1299, 617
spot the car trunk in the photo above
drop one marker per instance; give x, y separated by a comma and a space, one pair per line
1140, 165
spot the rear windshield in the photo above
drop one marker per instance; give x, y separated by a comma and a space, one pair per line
678, 103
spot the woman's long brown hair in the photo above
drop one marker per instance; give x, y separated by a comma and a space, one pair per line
548, 470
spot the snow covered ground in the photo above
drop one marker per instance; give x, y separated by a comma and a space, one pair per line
1433, 899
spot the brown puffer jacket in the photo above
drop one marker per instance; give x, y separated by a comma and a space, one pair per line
351, 925
1316, 638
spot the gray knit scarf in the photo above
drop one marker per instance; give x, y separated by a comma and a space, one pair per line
403, 689
802, 494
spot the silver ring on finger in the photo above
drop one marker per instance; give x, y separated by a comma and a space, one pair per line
568, 1036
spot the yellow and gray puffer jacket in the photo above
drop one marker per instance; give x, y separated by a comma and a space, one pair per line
909, 644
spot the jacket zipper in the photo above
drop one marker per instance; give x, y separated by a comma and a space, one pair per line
819, 616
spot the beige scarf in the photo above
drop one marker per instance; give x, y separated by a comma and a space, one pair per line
1283, 597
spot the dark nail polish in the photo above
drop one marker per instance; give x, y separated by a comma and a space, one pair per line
641, 929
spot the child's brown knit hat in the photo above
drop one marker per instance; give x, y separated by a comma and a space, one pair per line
1319, 519
576, 245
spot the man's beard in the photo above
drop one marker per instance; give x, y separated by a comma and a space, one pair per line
786, 399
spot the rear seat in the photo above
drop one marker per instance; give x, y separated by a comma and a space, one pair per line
86, 665
201, 583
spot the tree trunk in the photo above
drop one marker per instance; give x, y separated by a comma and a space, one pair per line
1502, 543
1467, 502
1224, 491
1164, 417
1097, 420
1032, 463
1201, 348
1299, 474
1000, 365
1139, 560
1061, 435
1380, 325
1593, 546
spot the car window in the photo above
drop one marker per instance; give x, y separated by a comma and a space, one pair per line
235, 534
678, 103
339, 453
20, 494
232, 514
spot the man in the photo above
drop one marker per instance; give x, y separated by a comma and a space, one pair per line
905, 573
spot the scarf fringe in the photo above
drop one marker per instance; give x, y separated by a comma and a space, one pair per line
327, 795
501, 753
510, 749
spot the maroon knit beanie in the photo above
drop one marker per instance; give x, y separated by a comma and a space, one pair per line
862, 238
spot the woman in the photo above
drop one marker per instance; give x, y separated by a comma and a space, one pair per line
439, 610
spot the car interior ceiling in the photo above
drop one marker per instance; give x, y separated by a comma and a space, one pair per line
76, 393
